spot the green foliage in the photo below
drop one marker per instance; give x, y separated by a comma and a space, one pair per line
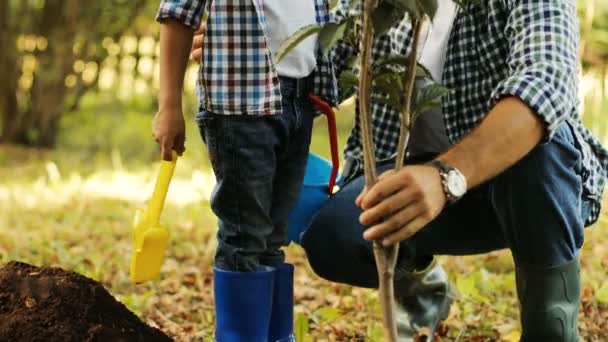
415, 8
429, 97
374, 332
327, 314
301, 329
331, 33
348, 81
406, 6
385, 16
296, 39
429, 7
56, 41
594, 30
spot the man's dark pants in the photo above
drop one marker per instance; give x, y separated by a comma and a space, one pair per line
534, 208
259, 164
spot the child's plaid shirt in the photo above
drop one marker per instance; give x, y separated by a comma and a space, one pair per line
237, 75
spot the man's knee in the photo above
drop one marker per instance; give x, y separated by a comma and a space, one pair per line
538, 203
336, 249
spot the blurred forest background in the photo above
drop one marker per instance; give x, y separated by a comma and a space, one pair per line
78, 85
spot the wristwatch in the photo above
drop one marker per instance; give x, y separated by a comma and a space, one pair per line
453, 181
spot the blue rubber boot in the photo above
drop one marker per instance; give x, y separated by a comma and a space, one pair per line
281, 323
243, 305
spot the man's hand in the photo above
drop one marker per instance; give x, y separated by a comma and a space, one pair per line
169, 131
401, 203
196, 53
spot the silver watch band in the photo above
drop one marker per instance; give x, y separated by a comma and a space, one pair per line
444, 170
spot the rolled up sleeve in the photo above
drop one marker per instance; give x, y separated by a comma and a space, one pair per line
542, 59
188, 12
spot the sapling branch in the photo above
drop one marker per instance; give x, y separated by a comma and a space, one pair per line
400, 91
407, 115
369, 160
385, 257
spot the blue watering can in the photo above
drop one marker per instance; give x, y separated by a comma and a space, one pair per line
319, 179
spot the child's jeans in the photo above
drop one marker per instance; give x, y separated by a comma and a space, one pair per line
259, 164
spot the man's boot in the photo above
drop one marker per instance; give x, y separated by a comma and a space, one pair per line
423, 298
243, 305
281, 322
549, 299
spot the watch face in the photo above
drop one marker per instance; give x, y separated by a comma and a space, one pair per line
456, 183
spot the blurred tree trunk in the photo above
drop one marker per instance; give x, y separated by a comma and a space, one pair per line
31, 117
8, 62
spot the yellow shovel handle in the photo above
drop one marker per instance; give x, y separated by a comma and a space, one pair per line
157, 201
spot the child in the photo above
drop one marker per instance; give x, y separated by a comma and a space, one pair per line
256, 118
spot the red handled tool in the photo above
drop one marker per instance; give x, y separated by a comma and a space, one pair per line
326, 109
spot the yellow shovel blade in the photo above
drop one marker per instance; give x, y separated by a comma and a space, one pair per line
150, 239
149, 248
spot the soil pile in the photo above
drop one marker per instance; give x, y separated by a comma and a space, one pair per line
51, 304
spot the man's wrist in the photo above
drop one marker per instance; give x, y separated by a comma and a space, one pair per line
453, 182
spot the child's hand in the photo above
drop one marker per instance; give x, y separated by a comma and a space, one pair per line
196, 52
169, 131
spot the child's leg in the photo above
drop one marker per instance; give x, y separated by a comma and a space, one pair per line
242, 150
291, 165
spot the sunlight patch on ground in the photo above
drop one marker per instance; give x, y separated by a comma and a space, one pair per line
57, 189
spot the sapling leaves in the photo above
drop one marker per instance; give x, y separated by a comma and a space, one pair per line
348, 81
416, 8
385, 16
331, 33
293, 41
391, 61
429, 7
429, 97
409, 6
422, 71
389, 83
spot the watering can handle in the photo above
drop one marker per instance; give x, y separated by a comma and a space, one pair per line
326, 109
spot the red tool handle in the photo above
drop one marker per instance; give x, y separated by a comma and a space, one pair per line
326, 109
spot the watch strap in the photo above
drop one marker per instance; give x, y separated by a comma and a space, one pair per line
444, 169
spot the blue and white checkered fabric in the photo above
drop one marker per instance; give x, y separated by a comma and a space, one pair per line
237, 75
522, 48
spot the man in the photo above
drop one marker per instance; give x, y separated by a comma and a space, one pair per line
522, 173
255, 116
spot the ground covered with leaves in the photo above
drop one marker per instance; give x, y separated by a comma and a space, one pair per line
65, 210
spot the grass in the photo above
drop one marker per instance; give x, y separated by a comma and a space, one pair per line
73, 209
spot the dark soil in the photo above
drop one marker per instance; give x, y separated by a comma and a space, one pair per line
51, 304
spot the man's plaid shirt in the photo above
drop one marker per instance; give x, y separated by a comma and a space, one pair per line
237, 76
523, 48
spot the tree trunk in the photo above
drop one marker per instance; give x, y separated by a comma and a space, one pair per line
8, 95
31, 116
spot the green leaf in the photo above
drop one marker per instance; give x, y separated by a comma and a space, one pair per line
384, 17
390, 84
331, 33
422, 71
348, 81
375, 333
429, 7
409, 6
328, 315
392, 60
301, 327
429, 97
602, 294
293, 41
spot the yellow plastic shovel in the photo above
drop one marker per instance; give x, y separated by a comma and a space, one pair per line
150, 238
